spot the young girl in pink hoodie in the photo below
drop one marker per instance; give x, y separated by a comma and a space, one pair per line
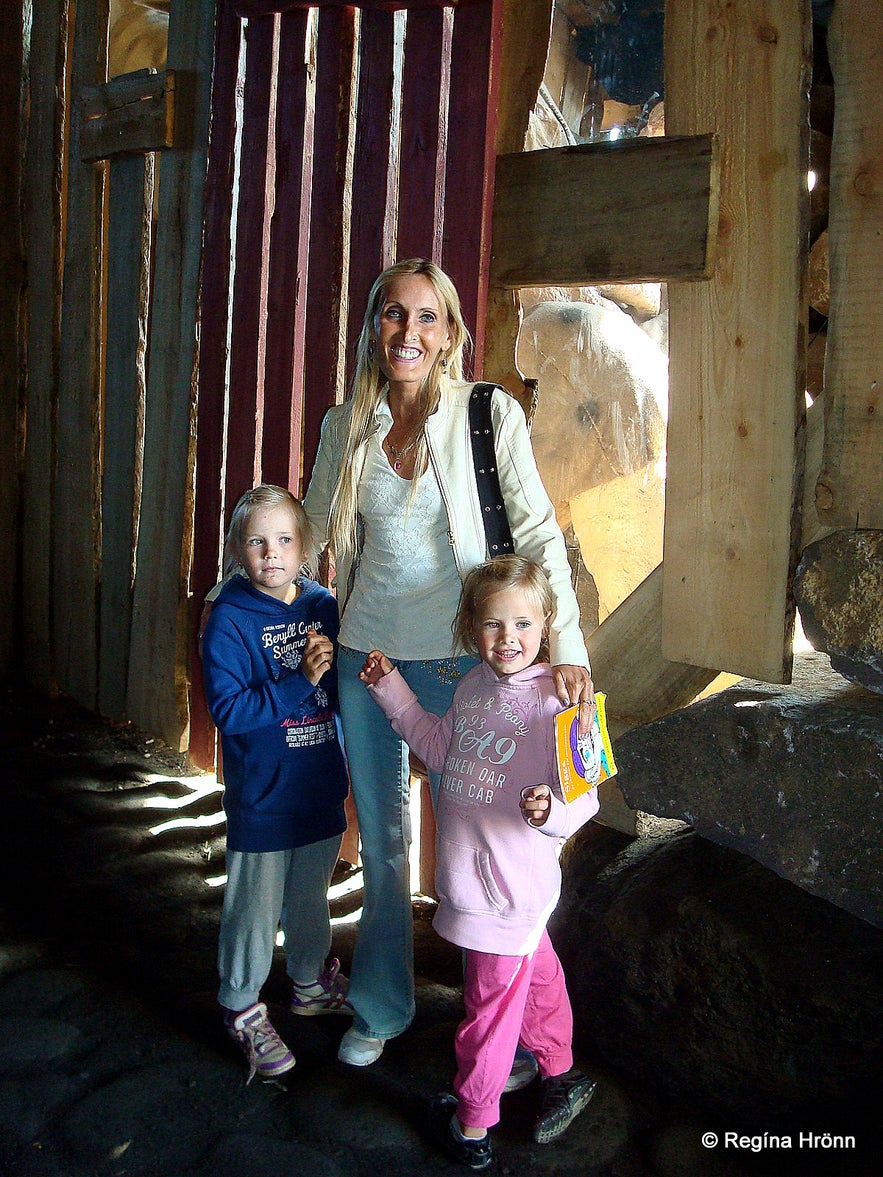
501, 817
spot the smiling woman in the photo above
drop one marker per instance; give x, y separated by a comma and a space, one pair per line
394, 495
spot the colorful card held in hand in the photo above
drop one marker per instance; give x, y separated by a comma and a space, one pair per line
583, 764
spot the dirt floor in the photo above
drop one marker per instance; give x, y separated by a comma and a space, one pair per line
112, 1058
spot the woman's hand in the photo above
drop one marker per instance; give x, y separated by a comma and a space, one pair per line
377, 666
317, 656
574, 686
536, 804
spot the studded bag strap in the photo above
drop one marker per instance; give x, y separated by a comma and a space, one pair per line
493, 510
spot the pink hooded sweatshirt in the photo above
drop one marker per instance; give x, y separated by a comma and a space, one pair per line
498, 878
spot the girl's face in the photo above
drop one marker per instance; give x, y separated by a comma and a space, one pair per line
508, 631
272, 552
412, 329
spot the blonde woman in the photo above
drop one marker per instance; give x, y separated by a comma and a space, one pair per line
394, 495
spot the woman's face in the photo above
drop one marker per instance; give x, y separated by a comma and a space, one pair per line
412, 329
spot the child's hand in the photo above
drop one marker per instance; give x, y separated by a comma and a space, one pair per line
536, 804
377, 666
317, 656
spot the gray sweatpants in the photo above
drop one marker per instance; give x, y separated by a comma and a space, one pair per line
287, 887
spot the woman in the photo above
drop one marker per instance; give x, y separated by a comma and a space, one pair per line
393, 493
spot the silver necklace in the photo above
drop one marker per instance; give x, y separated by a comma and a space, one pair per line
398, 454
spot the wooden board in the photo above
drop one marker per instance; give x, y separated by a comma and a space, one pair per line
76, 523
469, 174
42, 199
249, 315
850, 490
130, 201
632, 211
287, 271
157, 691
212, 394
735, 342
372, 222
130, 114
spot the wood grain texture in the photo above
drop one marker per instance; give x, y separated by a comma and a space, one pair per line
736, 396
132, 113
850, 489
633, 211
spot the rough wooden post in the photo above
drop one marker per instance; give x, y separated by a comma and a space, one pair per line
157, 693
850, 490
736, 342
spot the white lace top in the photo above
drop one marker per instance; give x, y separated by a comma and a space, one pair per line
406, 587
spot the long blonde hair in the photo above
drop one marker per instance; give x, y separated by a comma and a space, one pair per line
368, 386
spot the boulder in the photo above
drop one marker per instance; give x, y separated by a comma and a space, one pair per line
839, 592
710, 978
788, 775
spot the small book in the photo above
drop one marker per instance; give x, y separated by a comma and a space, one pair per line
583, 763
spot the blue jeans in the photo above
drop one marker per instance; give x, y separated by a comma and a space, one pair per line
382, 976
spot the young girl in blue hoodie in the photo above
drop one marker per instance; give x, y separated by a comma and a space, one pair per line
271, 687
501, 817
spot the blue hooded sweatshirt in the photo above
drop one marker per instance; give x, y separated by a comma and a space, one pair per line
285, 779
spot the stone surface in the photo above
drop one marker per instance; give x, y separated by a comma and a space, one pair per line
789, 775
839, 592
718, 982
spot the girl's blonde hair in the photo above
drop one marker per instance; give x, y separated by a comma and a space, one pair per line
369, 384
502, 574
267, 495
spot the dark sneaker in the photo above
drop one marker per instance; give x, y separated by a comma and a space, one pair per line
562, 1098
474, 1154
267, 1054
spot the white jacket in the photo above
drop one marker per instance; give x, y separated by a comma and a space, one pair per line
532, 520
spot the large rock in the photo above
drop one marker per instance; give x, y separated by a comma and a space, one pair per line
839, 592
789, 775
705, 975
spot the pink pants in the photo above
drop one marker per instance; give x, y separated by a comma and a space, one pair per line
509, 999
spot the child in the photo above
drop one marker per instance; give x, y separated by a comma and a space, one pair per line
271, 688
500, 820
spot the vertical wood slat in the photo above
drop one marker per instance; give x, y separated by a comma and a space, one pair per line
212, 401
421, 179
130, 203
289, 242
374, 182
736, 370
252, 227
157, 694
469, 179
849, 492
42, 186
336, 44
76, 524
12, 310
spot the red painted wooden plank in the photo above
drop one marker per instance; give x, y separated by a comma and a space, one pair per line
213, 361
289, 240
333, 99
373, 175
424, 124
469, 182
262, 7
249, 296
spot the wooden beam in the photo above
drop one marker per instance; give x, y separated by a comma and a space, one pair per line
850, 490
157, 689
639, 210
132, 114
736, 396
265, 7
